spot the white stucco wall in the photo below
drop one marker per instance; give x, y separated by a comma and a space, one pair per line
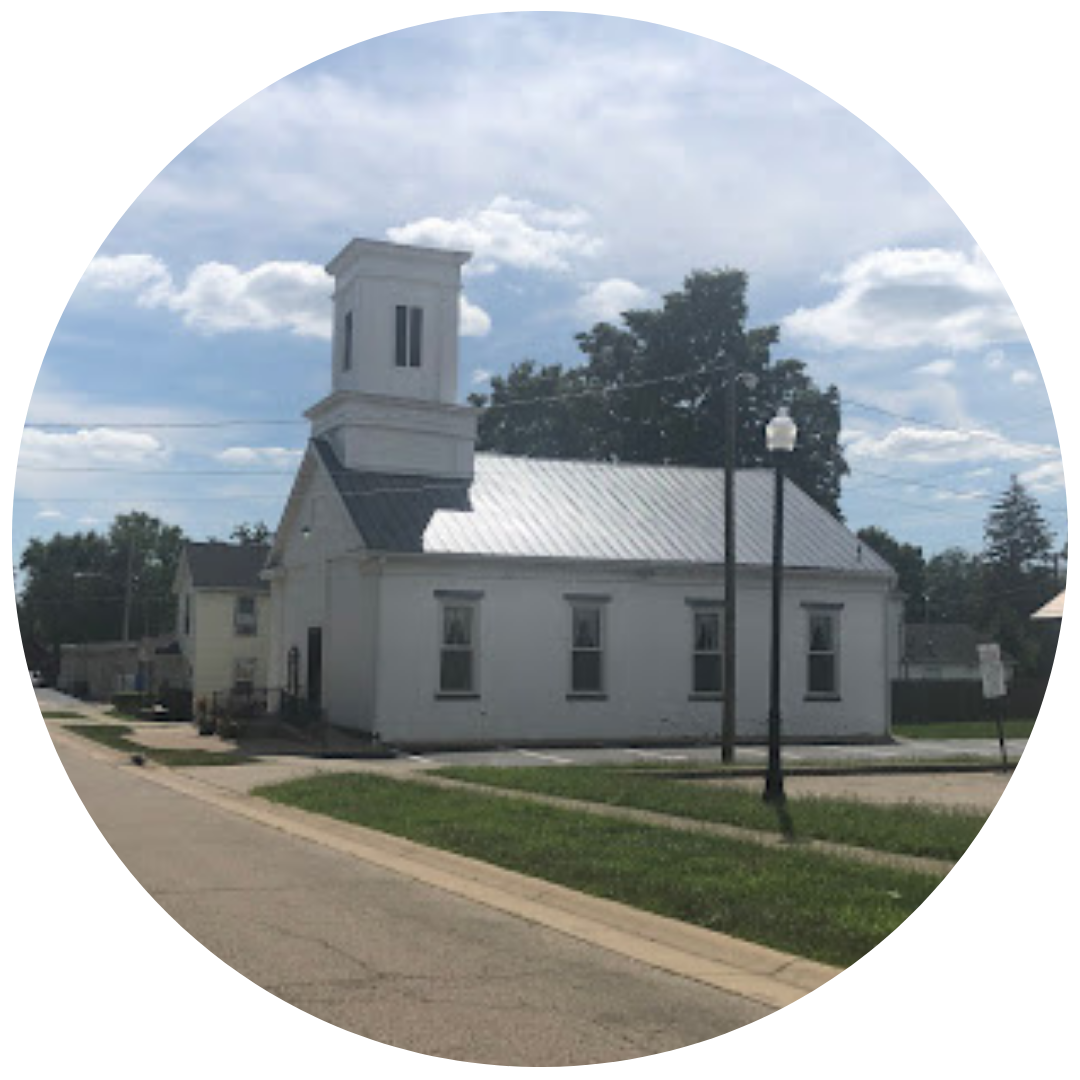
523, 657
379, 618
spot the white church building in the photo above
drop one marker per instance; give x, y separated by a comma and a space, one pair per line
441, 597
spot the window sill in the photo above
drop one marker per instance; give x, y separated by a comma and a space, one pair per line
822, 697
586, 697
447, 696
719, 696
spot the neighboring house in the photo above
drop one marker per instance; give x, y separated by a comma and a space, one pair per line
945, 651
223, 618
1052, 609
97, 670
437, 597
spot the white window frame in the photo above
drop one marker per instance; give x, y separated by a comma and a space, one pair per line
712, 609
244, 671
832, 613
408, 336
468, 601
599, 604
245, 625
347, 342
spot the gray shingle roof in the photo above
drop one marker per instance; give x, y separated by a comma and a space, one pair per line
530, 508
215, 565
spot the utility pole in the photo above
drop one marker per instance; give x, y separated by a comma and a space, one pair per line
731, 430
727, 731
127, 587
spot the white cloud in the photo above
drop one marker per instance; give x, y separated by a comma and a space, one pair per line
89, 447
474, 320
994, 360
908, 298
1024, 377
480, 377
507, 232
48, 515
221, 298
938, 369
1046, 477
605, 301
145, 275
91, 463
938, 446
274, 457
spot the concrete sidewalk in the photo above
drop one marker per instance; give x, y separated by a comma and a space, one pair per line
763, 975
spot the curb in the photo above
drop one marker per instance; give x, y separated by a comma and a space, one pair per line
756, 972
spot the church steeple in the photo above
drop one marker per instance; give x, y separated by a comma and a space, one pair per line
394, 356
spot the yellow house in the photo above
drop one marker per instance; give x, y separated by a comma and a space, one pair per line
223, 619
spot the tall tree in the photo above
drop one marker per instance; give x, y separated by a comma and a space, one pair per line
906, 559
259, 533
954, 588
84, 587
653, 390
1019, 575
1017, 539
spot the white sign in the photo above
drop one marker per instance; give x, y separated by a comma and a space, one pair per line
992, 670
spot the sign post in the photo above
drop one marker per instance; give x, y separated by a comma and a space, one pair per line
993, 686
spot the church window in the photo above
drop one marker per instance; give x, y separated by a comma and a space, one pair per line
408, 335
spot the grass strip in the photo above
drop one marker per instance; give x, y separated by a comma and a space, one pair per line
802, 902
968, 729
62, 714
905, 830
116, 737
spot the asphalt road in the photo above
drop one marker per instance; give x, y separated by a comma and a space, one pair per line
385, 956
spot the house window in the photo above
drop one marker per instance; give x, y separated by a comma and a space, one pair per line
245, 620
187, 613
346, 342
408, 335
823, 652
708, 654
244, 677
457, 647
587, 647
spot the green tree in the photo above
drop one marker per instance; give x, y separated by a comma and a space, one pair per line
78, 587
1017, 557
259, 533
953, 589
906, 559
653, 390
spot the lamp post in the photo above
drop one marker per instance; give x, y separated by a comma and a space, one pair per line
780, 435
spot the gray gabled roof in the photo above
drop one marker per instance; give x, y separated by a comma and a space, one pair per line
215, 565
529, 508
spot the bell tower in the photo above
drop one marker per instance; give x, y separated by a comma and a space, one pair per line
394, 355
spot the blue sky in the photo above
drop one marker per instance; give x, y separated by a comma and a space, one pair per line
589, 163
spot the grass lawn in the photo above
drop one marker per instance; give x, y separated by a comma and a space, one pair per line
813, 905
969, 729
62, 714
116, 736
908, 830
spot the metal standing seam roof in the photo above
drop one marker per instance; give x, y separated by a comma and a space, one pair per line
598, 511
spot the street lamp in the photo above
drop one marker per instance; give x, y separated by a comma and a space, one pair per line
780, 435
